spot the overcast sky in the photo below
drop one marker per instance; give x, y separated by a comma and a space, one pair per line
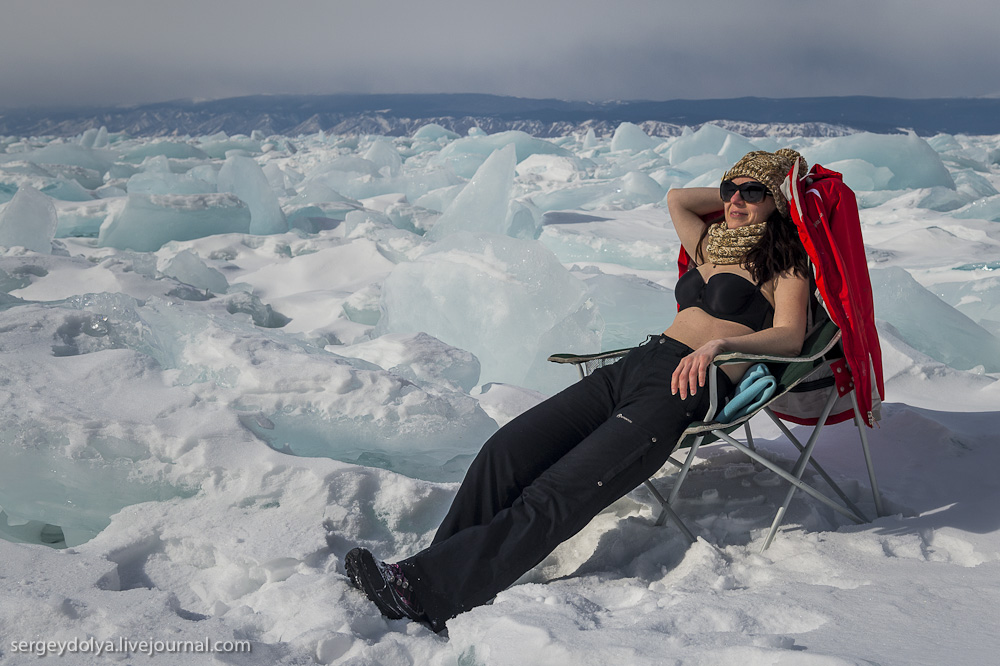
135, 51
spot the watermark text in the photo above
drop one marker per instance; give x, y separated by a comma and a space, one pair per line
123, 645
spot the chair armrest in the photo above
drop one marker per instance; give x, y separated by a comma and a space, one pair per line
584, 358
816, 352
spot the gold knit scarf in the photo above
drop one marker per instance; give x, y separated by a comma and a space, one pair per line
730, 246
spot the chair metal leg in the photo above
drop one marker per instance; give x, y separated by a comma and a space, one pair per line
819, 469
746, 429
800, 468
809, 490
666, 511
681, 475
879, 509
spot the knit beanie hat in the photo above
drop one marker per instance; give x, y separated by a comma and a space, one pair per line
770, 170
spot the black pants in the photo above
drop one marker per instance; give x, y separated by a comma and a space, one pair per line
541, 478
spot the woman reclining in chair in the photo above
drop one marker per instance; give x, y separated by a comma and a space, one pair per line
542, 477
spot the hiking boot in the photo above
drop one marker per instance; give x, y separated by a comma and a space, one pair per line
384, 584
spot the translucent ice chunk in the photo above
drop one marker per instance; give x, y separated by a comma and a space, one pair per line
911, 160
631, 307
668, 177
385, 158
363, 305
51, 486
157, 164
101, 140
633, 189
709, 167
147, 221
418, 357
76, 464
942, 199
243, 177
29, 220
982, 209
356, 177
73, 154
347, 164
414, 218
943, 143
930, 325
639, 243
61, 182
87, 178
148, 182
261, 313
433, 132
523, 221
482, 205
973, 184
219, 144
359, 223
88, 137
312, 218
280, 180
316, 191
186, 267
440, 198
709, 140
504, 402
630, 137
174, 149
86, 217
862, 175
467, 154
978, 299
66, 190
557, 168
416, 184
641, 189
508, 301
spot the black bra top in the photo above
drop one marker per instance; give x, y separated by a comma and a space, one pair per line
725, 296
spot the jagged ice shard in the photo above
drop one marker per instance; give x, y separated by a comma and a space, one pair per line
930, 325
147, 221
186, 267
630, 137
482, 205
243, 177
29, 220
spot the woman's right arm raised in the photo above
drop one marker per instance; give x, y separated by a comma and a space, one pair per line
686, 206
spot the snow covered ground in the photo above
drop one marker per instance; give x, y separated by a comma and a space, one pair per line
224, 361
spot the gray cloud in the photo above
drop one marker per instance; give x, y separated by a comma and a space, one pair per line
113, 51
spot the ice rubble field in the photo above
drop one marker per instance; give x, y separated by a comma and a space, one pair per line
227, 360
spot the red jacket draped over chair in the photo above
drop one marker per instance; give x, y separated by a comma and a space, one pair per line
825, 211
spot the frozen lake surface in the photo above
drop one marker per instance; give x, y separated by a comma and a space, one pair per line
226, 360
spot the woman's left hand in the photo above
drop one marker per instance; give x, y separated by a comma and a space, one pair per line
692, 371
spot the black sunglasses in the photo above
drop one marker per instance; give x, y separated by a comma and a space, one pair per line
750, 192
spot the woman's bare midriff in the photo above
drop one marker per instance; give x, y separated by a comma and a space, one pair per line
694, 327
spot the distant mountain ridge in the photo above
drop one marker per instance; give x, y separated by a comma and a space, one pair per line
398, 115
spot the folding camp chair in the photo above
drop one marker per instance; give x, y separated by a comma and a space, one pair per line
820, 368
